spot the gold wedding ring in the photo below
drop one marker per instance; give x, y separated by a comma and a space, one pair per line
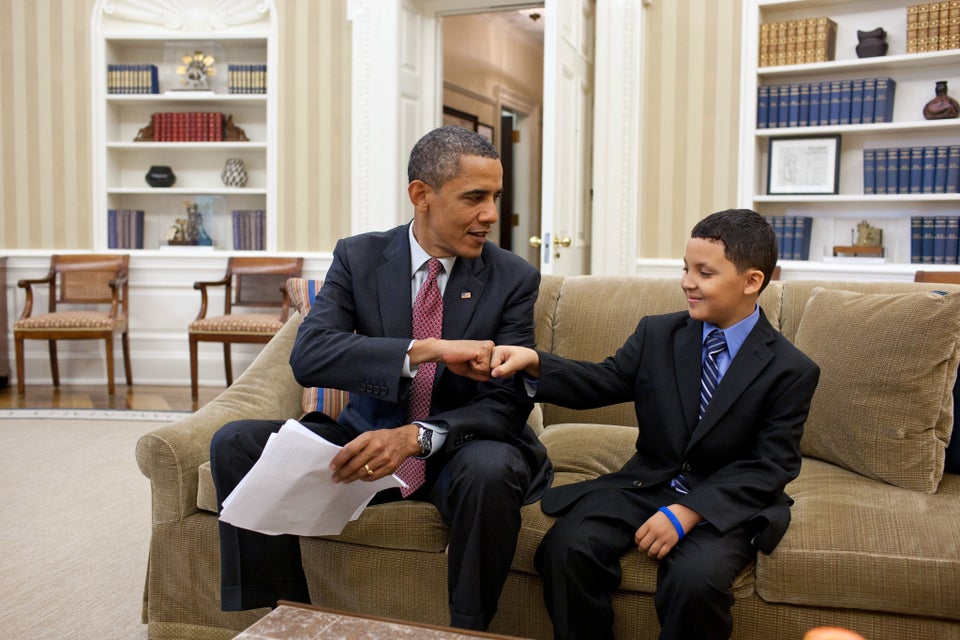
369, 470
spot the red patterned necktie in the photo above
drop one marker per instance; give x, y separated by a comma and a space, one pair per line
427, 323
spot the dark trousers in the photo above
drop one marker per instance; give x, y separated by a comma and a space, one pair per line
579, 560
478, 490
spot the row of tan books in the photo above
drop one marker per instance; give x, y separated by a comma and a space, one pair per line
797, 41
933, 26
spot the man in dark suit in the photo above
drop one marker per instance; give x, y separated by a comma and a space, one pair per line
482, 462
718, 442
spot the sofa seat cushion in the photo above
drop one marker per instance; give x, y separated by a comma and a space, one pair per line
856, 543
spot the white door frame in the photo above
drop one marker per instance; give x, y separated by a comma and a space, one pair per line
397, 97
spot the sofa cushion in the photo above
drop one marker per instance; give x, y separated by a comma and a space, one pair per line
854, 543
302, 293
884, 404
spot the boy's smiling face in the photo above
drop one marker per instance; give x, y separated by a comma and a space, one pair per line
715, 291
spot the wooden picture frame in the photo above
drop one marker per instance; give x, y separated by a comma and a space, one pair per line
486, 131
803, 165
459, 118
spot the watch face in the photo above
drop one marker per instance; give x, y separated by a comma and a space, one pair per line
425, 440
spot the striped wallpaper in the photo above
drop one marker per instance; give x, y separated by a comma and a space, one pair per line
690, 111
691, 118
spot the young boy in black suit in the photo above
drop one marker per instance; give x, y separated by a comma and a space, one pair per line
721, 399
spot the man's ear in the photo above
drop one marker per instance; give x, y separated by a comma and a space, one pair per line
418, 190
754, 281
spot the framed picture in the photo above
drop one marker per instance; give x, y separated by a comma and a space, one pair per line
459, 118
485, 130
807, 165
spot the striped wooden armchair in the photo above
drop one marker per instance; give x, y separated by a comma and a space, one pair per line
80, 287
252, 282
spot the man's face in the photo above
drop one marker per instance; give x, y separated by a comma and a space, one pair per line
454, 219
715, 291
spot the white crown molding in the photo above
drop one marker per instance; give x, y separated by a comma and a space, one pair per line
196, 16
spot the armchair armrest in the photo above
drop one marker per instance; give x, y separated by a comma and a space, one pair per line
202, 287
169, 456
27, 284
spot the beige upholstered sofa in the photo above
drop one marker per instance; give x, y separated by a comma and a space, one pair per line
875, 539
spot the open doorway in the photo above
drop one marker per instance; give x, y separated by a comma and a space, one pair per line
493, 82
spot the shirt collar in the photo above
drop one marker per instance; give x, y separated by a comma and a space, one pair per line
736, 334
418, 256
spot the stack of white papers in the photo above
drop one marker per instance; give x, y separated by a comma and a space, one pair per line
291, 490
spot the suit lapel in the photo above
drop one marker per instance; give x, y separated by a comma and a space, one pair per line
686, 353
460, 298
393, 287
752, 358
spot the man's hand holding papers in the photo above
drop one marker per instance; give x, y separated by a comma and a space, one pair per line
292, 490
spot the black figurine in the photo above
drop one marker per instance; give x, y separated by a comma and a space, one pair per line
872, 43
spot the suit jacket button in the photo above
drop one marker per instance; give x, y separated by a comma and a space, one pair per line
363, 387
637, 483
686, 466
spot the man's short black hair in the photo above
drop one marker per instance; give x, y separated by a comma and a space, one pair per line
435, 159
749, 241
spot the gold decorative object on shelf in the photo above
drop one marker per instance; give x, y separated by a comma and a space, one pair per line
869, 242
195, 70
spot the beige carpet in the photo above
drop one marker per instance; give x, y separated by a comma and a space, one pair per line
74, 523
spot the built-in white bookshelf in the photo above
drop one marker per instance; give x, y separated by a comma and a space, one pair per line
237, 33
835, 217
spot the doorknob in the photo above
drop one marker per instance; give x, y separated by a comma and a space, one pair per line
535, 242
562, 242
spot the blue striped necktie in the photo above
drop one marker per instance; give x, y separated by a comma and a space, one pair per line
714, 345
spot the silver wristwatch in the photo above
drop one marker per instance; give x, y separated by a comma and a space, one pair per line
425, 440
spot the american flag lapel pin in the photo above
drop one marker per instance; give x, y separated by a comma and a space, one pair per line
465, 295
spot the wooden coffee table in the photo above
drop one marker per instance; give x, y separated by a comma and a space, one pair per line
295, 621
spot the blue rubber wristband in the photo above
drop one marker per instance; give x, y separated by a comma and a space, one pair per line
673, 519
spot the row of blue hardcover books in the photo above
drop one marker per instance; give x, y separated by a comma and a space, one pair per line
249, 231
793, 236
132, 78
931, 169
934, 239
124, 229
831, 102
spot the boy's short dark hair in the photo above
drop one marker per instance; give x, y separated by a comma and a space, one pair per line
748, 239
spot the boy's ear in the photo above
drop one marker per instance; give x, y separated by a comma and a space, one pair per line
754, 281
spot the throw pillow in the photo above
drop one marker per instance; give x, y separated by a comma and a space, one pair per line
302, 294
888, 365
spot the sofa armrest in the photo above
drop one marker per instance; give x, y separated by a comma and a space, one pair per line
169, 456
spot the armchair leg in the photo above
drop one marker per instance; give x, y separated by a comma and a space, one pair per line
194, 391
227, 364
54, 367
110, 382
126, 358
18, 348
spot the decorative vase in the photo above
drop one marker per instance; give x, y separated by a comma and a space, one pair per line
160, 176
943, 106
872, 43
234, 173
